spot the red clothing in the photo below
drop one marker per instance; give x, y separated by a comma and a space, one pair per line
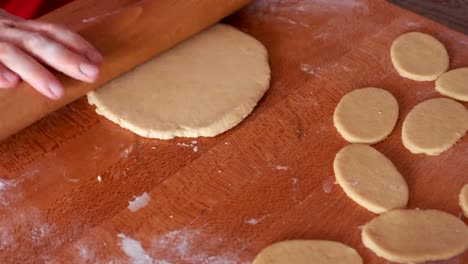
31, 8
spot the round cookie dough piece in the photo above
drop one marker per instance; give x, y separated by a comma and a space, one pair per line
366, 115
370, 179
434, 126
454, 84
306, 252
419, 56
414, 236
463, 199
202, 87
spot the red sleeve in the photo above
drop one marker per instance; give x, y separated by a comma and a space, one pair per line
32, 8
23, 8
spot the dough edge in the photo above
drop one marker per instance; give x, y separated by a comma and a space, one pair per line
302, 242
226, 122
343, 131
418, 150
415, 77
447, 92
357, 197
387, 254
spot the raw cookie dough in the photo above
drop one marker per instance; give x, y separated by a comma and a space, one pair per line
306, 252
202, 87
370, 179
434, 126
454, 84
413, 236
366, 115
463, 199
419, 56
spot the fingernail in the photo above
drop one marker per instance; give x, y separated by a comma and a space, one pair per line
9, 76
56, 90
89, 70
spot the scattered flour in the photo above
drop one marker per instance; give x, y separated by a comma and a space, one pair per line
6, 192
307, 69
126, 152
84, 252
192, 145
133, 249
138, 202
327, 186
294, 180
73, 180
254, 221
281, 167
180, 243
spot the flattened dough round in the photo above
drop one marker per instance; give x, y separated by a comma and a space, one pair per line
370, 179
419, 56
306, 252
454, 84
434, 126
463, 199
413, 236
202, 87
366, 115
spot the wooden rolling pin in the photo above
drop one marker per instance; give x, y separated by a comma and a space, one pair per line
127, 36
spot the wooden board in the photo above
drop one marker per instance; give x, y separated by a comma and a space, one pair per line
267, 180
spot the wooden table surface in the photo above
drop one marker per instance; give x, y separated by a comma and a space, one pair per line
66, 181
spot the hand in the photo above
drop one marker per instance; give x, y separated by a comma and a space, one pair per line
25, 44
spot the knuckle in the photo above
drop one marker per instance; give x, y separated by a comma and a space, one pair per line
56, 27
35, 39
6, 48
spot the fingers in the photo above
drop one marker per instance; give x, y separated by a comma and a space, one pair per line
65, 36
30, 70
52, 53
8, 79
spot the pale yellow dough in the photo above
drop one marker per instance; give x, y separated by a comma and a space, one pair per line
434, 126
308, 252
366, 115
202, 87
419, 56
370, 179
414, 236
463, 199
454, 84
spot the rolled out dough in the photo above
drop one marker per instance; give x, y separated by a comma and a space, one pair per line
454, 84
463, 199
366, 115
419, 56
434, 126
370, 179
414, 236
307, 252
202, 87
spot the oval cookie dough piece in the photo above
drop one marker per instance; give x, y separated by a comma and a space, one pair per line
419, 56
202, 87
366, 115
463, 199
306, 252
370, 179
454, 84
413, 236
434, 126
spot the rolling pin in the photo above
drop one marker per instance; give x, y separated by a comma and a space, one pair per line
126, 36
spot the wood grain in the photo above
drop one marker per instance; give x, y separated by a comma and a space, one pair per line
267, 180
